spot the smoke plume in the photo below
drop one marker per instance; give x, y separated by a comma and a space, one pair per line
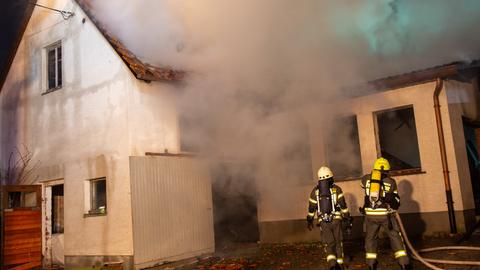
256, 69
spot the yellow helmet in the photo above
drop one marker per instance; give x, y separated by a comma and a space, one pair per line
324, 173
381, 164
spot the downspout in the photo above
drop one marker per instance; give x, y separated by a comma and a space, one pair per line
443, 153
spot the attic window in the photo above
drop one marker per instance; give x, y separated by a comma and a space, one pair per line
54, 66
397, 138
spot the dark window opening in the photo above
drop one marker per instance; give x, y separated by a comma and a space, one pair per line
57, 209
397, 138
98, 196
343, 148
20, 199
15, 200
54, 67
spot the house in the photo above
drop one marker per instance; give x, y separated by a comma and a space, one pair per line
104, 128
397, 120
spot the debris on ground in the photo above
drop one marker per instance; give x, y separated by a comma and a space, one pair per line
310, 256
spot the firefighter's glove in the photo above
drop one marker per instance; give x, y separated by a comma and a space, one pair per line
362, 210
392, 200
309, 223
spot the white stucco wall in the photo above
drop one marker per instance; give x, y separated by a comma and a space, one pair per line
153, 118
420, 192
88, 128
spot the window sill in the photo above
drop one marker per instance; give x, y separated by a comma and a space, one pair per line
48, 91
345, 179
11, 209
392, 173
94, 215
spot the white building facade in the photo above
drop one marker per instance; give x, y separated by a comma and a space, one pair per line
75, 104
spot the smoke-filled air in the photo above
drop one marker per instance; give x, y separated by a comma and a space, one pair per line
256, 69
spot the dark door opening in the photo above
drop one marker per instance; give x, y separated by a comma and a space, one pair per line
472, 135
57, 209
234, 205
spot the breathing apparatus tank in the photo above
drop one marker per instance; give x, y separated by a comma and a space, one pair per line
324, 195
375, 188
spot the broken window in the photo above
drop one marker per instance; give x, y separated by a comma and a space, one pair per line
54, 66
98, 196
397, 138
57, 209
343, 148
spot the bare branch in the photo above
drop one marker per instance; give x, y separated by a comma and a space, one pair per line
19, 169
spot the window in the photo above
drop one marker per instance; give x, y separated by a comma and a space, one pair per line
54, 66
296, 153
57, 209
189, 133
97, 196
397, 138
22, 199
343, 148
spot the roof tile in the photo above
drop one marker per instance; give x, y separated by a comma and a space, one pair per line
140, 69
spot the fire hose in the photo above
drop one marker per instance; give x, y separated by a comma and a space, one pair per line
428, 262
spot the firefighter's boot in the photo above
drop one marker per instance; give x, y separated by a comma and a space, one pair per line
373, 267
406, 267
337, 267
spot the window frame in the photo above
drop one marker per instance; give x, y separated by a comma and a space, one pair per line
90, 199
54, 46
397, 172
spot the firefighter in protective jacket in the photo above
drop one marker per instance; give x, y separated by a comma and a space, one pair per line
381, 202
328, 205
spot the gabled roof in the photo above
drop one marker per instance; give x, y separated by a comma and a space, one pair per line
140, 69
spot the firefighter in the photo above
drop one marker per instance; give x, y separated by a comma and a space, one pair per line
328, 203
381, 202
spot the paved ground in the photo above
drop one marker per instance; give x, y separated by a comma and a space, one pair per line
309, 256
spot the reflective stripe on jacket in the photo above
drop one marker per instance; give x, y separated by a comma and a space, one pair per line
339, 204
388, 187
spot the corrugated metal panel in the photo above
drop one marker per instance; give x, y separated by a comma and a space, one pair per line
172, 209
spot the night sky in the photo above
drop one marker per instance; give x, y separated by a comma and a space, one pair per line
12, 13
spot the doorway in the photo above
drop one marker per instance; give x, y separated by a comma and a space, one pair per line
234, 205
54, 225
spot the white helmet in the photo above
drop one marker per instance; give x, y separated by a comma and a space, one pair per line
324, 173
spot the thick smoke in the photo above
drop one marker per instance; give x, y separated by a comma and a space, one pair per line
257, 68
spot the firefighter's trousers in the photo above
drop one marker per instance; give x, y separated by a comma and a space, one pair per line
332, 241
391, 228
